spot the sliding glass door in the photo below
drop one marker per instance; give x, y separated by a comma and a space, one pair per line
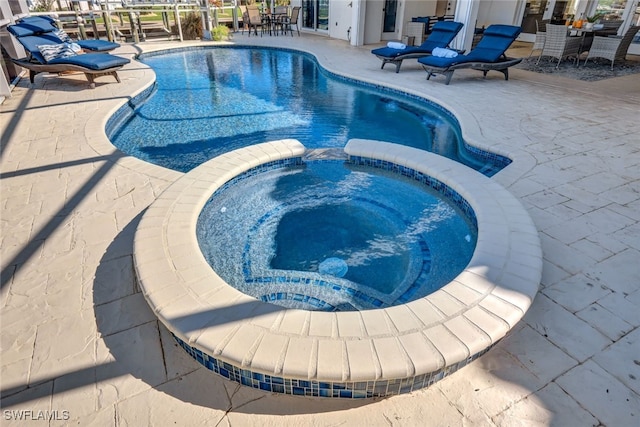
533, 13
315, 14
390, 12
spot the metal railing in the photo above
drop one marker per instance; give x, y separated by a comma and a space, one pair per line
124, 19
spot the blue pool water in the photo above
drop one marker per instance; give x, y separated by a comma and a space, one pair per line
210, 101
329, 235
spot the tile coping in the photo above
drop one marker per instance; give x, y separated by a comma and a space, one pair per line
444, 329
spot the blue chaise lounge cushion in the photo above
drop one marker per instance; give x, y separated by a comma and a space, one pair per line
93, 61
97, 45
441, 35
495, 41
43, 27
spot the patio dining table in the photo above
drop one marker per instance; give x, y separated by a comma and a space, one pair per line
272, 20
585, 34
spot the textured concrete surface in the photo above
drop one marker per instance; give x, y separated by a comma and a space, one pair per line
80, 345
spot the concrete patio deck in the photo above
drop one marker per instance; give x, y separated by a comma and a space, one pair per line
80, 345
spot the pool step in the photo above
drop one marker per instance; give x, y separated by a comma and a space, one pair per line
325, 154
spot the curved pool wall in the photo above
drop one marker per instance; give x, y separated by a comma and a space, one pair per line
359, 354
486, 162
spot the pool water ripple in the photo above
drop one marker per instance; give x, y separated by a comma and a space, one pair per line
211, 101
397, 238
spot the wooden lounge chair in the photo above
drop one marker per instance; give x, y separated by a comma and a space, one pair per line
488, 55
442, 33
61, 57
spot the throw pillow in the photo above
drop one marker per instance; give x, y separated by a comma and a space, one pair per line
54, 51
62, 35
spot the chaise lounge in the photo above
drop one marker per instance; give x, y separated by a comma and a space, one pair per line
46, 52
488, 55
45, 27
442, 33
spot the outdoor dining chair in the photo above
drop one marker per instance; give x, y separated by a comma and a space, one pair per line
559, 44
288, 23
612, 48
279, 18
541, 36
255, 20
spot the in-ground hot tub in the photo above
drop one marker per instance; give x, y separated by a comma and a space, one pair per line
348, 354
322, 233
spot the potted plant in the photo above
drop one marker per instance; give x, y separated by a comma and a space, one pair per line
220, 32
192, 26
592, 20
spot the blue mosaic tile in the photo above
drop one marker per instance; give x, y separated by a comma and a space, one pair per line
434, 183
125, 112
343, 390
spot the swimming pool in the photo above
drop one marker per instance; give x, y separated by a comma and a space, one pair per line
342, 353
210, 101
335, 236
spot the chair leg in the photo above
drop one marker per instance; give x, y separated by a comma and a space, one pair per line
449, 74
92, 83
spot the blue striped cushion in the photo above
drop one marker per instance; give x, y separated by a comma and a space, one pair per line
55, 51
62, 35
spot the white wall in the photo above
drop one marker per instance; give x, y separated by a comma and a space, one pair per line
419, 8
340, 16
498, 12
406, 10
373, 21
